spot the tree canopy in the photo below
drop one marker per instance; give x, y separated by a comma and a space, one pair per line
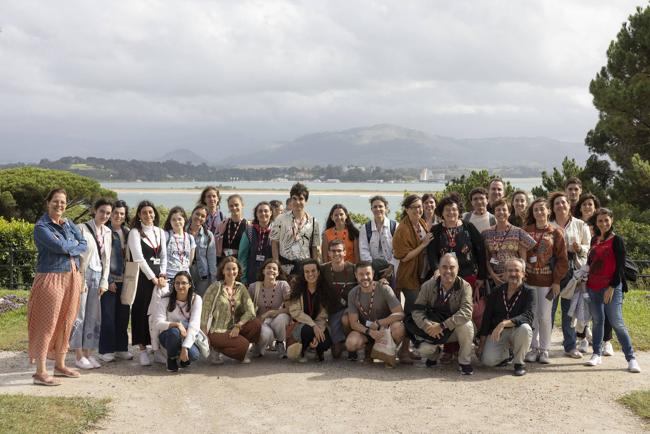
23, 191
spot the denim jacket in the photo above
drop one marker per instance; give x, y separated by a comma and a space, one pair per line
117, 255
56, 244
205, 256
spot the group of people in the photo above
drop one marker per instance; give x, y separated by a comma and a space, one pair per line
440, 284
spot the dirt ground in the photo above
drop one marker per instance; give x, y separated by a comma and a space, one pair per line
342, 396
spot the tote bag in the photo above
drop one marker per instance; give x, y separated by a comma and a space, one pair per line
130, 280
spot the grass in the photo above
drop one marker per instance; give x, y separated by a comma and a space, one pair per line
638, 402
38, 414
14, 325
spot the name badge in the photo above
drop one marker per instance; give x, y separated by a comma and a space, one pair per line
260, 258
452, 253
344, 302
494, 261
227, 252
532, 259
155, 261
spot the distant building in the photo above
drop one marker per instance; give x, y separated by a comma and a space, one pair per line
424, 175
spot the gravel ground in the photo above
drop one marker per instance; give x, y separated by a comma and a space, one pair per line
279, 396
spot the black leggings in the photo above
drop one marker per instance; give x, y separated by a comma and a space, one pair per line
608, 331
307, 335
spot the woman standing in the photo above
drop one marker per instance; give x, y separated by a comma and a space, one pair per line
113, 335
429, 207
211, 198
255, 244
518, 207
269, 293
181, 246
339, 226
606, 284
230, 231
409, 246
94, 268
54, 298
148, 246
504, 241
576, 238
542, 277
204, 267
307, 307
176, 318
229, 315
586, 208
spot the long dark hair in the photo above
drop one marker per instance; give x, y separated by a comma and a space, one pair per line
202, 201
353, 232
171, 305
603, 211
120, 204
407, 202
255, 219
299, 284
585, 197
137, 223
174, 210
530, 215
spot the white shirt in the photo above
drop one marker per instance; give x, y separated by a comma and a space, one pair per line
376, 249
578, 231
154, 234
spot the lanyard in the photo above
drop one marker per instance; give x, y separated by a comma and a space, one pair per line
99, 236
297, 227
156, 249
450, 233
372, 302
181, 252
269, 305
538, 235
263, 235
231, 301
442, 296
213, 221
234, 234
510, 306
182, 305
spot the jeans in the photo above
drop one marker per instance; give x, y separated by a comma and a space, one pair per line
171, 339
568, 332
614, 312
86, 327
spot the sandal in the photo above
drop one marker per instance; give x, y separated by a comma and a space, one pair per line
66, 372
46, 380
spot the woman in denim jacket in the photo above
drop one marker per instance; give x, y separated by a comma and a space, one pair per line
54, 298
204, 267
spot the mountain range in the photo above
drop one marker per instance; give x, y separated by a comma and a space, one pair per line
387, 145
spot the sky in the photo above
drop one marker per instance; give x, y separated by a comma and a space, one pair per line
139, 78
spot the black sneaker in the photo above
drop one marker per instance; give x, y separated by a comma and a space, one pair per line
465, 369
185, 364
353, 356
172, 365
519, 370
503, 363
430, 363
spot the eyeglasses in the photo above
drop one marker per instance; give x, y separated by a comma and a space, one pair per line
182, 283
337, 251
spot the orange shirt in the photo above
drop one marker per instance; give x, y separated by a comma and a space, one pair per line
332, 234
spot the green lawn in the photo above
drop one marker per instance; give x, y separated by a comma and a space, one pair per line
14, 325
638, 402
36, 414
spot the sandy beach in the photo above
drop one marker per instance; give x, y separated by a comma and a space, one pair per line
195, 191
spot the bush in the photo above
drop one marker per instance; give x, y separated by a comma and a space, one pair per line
637, 237
17, 248
465, 184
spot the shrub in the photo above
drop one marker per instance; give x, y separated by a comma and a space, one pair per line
17, 249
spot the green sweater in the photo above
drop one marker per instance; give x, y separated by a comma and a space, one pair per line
216, 308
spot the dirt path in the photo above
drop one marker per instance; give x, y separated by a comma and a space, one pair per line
279, 396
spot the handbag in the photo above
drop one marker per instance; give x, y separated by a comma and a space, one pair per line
417, 335
203, 344
130, 280
385, 349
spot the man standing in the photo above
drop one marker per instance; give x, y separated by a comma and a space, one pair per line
372, 308
573, 191
340, 278
508, 319
376, 236
295, 235
450, 297
496, 191
480, 217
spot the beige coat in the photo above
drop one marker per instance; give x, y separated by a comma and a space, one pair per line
460, 303
297, 312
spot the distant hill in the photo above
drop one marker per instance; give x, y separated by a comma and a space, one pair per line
388, 145
183, 156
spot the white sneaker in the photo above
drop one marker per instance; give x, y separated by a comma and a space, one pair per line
594, 361
215, 358
633, 366
124, 355
583, 345
108, 357
144, 359
246, 361
543, 358
93, 361
608, 349
532, 356
83, 363
255, 351
158, 357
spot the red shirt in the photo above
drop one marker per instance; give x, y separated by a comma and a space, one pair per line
602, 265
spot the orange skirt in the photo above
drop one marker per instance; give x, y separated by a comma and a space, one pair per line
51, 311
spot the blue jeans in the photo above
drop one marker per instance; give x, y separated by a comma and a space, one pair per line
171, 339
568, 332
614, 310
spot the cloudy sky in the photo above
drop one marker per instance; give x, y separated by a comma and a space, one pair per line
139, 78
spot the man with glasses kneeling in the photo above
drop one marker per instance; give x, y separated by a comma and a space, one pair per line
507, 320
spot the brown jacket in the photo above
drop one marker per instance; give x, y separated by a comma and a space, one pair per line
550, 244
460, 303
297, 312
404, 240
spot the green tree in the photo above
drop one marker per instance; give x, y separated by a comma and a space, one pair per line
596, 178
465, 184
621, 92
23, 191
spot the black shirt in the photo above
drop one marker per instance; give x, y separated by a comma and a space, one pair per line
518, 309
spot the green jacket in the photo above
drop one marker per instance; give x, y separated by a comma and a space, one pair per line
216, 317
460, 303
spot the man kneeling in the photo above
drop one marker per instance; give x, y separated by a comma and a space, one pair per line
507, 320
372, 307
445, 305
